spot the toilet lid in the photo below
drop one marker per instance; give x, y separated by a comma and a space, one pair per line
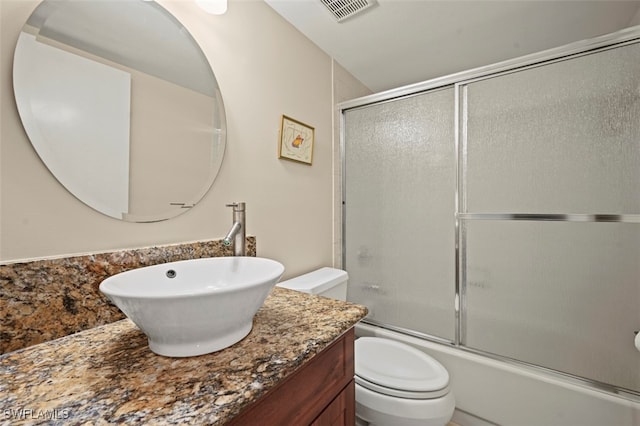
401, 369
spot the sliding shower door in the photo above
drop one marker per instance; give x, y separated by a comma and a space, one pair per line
499, 211
399, 216
549, 215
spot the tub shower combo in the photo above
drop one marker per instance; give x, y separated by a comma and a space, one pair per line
492, 217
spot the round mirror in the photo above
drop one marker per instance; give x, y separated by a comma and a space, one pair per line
121, 104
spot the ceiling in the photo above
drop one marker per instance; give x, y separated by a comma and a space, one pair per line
400, 42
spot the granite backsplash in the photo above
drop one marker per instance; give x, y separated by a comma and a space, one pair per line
45, 299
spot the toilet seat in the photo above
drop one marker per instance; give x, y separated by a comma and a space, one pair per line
399, 393
396, 369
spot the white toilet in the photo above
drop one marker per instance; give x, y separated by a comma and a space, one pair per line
396, 384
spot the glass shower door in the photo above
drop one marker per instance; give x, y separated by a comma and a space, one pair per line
399, 220
550, 215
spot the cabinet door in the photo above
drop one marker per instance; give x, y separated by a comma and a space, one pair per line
341, 411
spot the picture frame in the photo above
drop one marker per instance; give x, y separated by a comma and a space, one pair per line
296, 141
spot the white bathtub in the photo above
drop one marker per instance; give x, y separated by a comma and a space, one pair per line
492, 392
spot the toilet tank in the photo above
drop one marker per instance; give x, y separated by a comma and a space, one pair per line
328, 282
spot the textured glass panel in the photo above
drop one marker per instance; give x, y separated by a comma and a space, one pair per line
400, 229
562, 138
561, 295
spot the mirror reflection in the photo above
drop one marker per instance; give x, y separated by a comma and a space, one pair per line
121, 104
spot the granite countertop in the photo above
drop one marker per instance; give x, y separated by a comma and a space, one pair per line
108, 374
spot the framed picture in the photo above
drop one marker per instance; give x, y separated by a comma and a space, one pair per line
296, 141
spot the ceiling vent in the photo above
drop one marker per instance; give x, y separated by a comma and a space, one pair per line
344, 9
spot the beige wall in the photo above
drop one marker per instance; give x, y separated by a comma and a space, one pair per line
265, 68
636, 19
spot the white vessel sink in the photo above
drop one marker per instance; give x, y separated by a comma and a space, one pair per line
194, 307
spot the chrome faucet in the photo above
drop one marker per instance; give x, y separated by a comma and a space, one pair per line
237, 233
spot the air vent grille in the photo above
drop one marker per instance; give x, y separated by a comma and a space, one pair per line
343, 9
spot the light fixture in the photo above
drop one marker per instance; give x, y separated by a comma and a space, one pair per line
215, 7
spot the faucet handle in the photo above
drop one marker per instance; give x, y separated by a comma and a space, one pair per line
236, 206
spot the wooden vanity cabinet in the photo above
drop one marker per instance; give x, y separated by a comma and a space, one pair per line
320, 393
